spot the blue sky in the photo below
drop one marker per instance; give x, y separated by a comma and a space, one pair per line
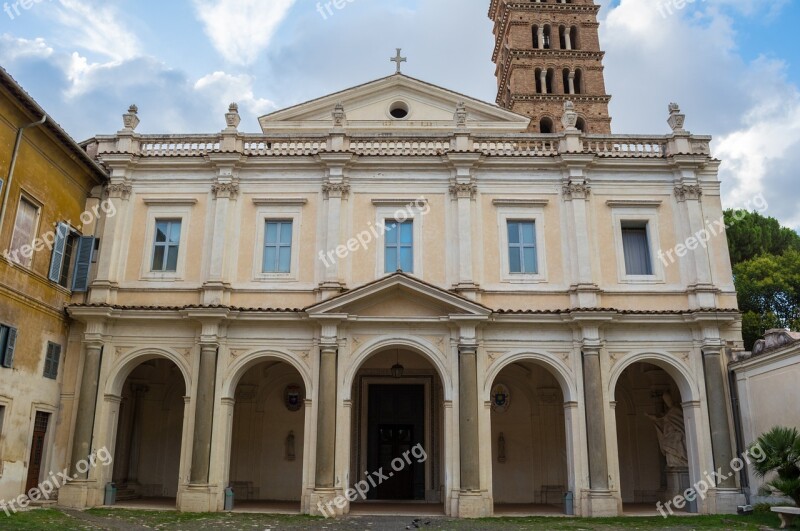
731, 64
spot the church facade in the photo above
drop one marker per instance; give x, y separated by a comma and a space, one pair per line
397, 293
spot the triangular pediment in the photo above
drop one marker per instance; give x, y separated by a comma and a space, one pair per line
399, 296
368, 108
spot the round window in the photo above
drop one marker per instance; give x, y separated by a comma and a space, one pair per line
399, 110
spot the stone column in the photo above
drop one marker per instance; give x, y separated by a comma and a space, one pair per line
326, 418
87, 405
118, 195
567, 39
204, 415
718, 415
543, 81
225, 191
595, 419
572, 82
576, 192
468, 417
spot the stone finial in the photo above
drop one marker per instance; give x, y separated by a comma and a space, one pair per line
232, 118
461, 114
676, 119
339, 115
130, 119
570, 118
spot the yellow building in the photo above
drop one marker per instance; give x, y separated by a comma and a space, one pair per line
45, 253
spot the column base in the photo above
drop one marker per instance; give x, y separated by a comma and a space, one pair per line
81, 495
474, 504
724, 501
601, 503
200, 499
329, 503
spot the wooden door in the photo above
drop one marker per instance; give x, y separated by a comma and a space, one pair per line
37, 449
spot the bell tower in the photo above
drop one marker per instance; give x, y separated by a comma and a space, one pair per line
548, 52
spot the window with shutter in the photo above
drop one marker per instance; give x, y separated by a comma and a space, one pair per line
59, 248
8, 342
52, 360
83, 263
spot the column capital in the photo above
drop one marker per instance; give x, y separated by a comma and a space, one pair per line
467, 349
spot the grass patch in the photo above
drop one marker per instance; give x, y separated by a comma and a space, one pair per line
39, 519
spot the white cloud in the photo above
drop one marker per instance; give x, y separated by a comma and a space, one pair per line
13, 48
98, 28
226, 88
241, 29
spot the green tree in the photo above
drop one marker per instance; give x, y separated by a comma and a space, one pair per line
781, 450
750, 235
768, 289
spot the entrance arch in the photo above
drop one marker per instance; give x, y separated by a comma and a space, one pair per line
266, 455
657, 415
150, 388
397, 419
531, 418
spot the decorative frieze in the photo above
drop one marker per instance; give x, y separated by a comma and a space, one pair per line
464, 190
336, 190
119, 190
225, 190
576, 190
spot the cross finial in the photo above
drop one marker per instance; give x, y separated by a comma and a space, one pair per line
399, 59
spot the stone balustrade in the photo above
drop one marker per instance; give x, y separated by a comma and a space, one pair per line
511, 145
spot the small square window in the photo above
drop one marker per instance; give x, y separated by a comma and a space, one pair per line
278, 247
636, 247
52, 360
399, 246
166, 245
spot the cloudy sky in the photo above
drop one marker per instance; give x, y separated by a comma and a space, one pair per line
731, 64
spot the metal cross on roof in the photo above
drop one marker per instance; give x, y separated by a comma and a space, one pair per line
399, 59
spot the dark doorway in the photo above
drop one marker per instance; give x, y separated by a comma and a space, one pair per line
37, 450
396, 424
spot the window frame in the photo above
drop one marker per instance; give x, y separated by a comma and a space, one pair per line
398, 245
646, 215
161, 213
389, 211
521, 246
7, 331
276, 213
166, 245
277, 246
533, 214
34, 233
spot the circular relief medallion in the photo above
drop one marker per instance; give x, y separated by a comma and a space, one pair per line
501, 398
292, 397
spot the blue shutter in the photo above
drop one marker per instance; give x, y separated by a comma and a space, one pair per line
83, 262
11, 342
57, 260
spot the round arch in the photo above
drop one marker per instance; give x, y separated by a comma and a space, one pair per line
248, 361
549, 363
679, 372
124, 367
416, 344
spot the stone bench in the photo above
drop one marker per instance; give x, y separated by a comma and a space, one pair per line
787, 515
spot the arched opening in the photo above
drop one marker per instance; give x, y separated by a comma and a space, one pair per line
536, 43
266, 457
654, 460
149, 434
397, 426
565, 75
573, 37
530, 473
578, 81
581, 125
562, 38
547, 41
537, 73
549, 84
546, 125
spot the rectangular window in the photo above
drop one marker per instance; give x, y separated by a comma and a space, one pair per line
51, 361
522, 256
8, 342
278, 247
399, 251
24, 232
166, 245
636, 246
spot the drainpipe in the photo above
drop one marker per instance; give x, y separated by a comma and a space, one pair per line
7, 185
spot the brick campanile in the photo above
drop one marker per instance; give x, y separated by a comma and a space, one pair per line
548, 52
